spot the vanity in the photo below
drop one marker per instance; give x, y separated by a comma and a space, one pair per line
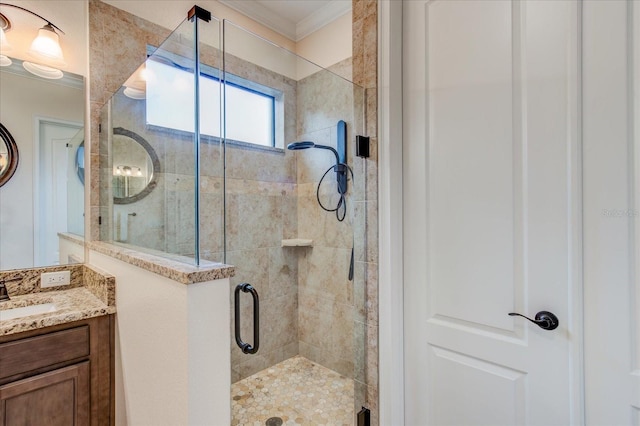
56, 351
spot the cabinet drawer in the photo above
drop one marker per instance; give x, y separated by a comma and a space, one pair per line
30, 354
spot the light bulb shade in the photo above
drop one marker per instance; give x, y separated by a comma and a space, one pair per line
4, 43
46, 47
42, 70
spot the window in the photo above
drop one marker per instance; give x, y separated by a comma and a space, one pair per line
251, 107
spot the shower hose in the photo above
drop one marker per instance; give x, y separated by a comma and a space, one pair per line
341, 207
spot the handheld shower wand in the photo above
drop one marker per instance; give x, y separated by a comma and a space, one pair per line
341, 167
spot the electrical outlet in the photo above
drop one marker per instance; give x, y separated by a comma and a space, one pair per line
55, 279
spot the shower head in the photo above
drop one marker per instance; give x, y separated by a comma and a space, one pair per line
300, 145
294, 146
340, 168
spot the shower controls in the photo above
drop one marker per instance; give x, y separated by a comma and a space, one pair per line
341, 168
362, 146
246, 347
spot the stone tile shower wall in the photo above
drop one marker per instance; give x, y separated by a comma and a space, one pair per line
325, 294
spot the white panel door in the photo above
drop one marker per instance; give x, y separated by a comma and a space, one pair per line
492, 212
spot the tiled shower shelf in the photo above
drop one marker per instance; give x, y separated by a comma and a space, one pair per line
297, 242
175, 268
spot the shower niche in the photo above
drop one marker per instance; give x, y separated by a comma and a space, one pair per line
218, 106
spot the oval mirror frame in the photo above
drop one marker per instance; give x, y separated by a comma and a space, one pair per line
12, 155
154, 160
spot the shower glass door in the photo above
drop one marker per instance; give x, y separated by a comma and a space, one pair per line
290, 231
163, 172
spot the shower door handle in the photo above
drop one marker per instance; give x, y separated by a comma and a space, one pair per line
246, 347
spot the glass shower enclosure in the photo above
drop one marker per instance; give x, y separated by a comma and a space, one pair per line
223, 147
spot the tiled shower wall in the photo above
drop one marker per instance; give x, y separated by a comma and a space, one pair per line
326, 297
365, 74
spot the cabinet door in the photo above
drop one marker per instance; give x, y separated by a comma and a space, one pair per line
56, 398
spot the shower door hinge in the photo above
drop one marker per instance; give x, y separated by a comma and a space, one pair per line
199, 13
100, 128
99, 220
364, 417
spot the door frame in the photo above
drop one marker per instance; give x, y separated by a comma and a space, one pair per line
390, 213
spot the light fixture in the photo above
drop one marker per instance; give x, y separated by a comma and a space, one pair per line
45, 49
136, 86
5, 25
127, 171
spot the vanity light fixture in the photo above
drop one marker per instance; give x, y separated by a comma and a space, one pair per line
5, 47
136, 86
128, 171
45, 48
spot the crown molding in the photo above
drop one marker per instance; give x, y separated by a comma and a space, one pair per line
266, 17
322, 17
291, 30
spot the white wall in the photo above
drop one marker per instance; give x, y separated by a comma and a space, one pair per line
22, 100
70, 252
172, 348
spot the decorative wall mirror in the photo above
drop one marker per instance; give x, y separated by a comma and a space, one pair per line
135, 167
8, 155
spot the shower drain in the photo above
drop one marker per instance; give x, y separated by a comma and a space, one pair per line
274, 421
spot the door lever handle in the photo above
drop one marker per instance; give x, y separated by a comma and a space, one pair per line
543, 319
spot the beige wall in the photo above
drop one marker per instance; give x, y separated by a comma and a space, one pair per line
327, 46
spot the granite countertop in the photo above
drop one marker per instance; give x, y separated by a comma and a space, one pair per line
167, 265
72, 305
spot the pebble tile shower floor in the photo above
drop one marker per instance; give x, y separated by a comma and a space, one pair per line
298, 391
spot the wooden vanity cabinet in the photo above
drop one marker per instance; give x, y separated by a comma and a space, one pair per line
58, 376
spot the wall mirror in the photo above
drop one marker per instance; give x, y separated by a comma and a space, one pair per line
8, 155
135, 166
42, 204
